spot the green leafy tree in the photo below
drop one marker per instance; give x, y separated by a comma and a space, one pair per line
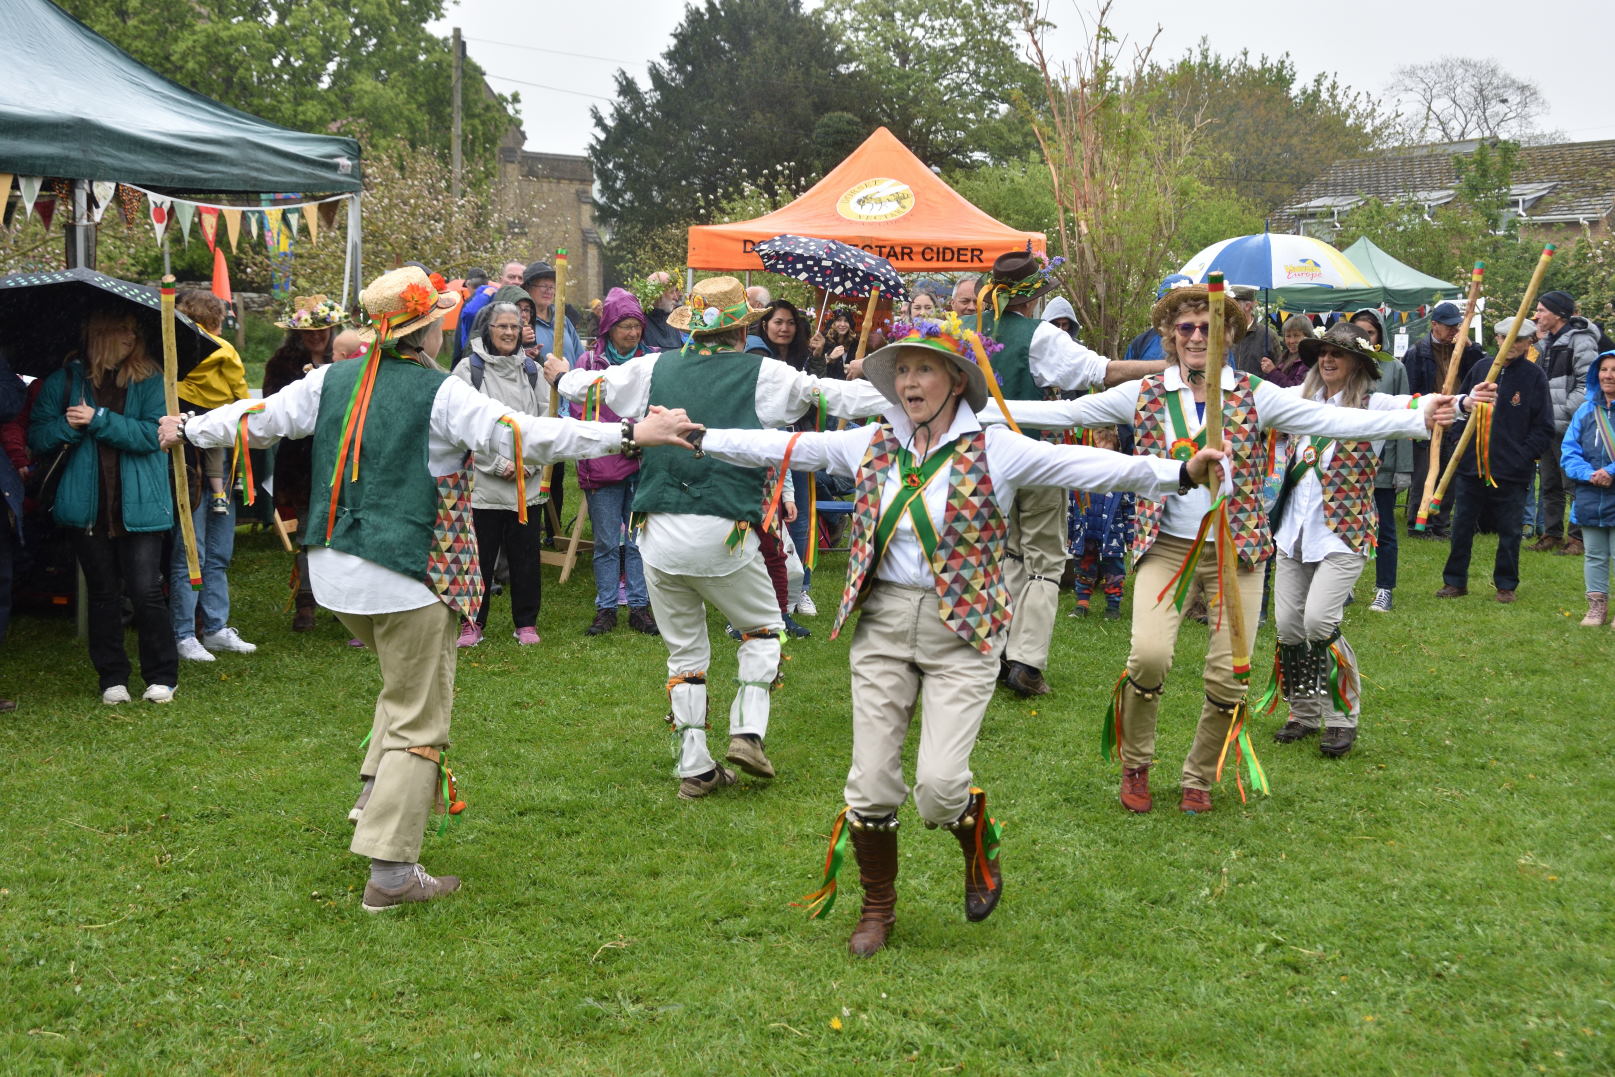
735, 99
948, 77
313, 65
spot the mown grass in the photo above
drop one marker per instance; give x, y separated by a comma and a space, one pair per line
176, 894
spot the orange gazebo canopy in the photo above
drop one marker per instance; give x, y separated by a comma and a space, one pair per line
883, 199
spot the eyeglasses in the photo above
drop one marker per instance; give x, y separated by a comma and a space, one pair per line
1187, 330
506, 328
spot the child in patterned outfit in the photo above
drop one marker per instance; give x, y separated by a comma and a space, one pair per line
1101, 533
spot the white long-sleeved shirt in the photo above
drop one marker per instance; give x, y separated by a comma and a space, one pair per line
1276, 409
1057, 361
693, 545
462, 419
1302, 533
1013, 462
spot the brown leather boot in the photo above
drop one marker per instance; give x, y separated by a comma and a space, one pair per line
303, 614
978, 837
876, 851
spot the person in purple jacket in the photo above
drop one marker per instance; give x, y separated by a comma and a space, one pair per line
609, 483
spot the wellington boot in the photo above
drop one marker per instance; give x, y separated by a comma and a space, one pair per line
984, 883
876, 851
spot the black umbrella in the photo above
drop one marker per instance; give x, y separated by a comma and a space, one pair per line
42, 318
830, 266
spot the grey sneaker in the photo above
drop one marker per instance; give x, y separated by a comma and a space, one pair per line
420, 887
805, 606
696, 787
1382, 601
747, 754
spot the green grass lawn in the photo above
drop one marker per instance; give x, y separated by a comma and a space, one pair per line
176, 893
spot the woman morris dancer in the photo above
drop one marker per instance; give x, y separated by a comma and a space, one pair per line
927, 548
1167, 411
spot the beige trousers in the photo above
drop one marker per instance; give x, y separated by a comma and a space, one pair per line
746, 599
417, 654
1155, 637
902, 654
1036, 559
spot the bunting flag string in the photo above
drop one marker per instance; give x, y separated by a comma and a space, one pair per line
232, 225
331, 200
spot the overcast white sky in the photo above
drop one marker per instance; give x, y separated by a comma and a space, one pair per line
571, 48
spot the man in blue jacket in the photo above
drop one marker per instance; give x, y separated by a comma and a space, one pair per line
1427, 362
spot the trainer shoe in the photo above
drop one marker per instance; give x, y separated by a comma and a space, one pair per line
116, 694
527, 636
219, 505
746, 752
699, 785
805, 606
157, 693
1135, 795
1113, 613
796, 631
1195, 802
228, 639
1337, 741
420, 887
470, 635
1079, 610
1382, 601
191, 649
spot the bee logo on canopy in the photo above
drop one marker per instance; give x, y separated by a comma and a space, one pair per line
877, 199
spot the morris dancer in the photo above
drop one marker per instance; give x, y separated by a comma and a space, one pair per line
1326, 529
1167, 411
391, 550
701, 518
929, 528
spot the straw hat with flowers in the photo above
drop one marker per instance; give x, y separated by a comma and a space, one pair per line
716, 305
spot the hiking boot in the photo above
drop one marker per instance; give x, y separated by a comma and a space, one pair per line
1337, 741
805, 606
420, 887
746, 752
1573, 548
876, 852
470, 635
1195, 801
699, 785
640, 619
1505, 596
984, 883
604, 621
1447, 590
1382, 601
1025, 681
1597, 610
191, 649
1135, 795
527, 635
1292, 731
1546, 544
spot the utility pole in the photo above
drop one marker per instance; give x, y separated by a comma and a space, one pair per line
459, 57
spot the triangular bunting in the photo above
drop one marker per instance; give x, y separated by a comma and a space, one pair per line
209, 222
232, 224
129, 201
327, 213
45, 208
102, 192
159, 213
186, 213
252, 217
272, 218
311, 221
5, 199
28, 192
290, 216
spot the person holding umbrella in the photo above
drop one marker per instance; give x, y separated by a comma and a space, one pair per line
114, 498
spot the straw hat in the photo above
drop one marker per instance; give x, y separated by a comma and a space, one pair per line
313, 312
404, 300
1345, 337
948, 339
716, 305
1167, 306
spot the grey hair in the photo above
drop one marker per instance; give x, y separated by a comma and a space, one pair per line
1355, 393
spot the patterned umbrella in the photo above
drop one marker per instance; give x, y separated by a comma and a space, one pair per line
831, 266
1276, 261
42, 318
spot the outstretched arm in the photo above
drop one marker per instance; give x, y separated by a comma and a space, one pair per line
836, 451
784, 395
1108, 408
625, 388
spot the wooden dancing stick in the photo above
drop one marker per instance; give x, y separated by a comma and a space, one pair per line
1227, 556
176, 455
557, 347
1491, 375
869, 320
1448, 386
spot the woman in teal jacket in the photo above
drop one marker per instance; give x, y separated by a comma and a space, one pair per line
1587, 457
114, 498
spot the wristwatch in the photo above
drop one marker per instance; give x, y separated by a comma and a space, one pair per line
1185, 484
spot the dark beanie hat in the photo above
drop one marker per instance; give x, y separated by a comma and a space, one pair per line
1561, 303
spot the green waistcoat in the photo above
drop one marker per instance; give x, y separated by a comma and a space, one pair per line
1013, 365
388, 515
719, 391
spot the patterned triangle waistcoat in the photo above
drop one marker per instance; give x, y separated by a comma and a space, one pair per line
971, 596
1154, 436
1348, 495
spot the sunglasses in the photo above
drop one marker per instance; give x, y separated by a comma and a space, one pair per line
1187, 330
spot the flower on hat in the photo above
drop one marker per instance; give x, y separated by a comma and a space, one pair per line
417, 299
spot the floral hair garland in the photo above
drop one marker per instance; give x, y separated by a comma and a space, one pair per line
314, 312
950, 334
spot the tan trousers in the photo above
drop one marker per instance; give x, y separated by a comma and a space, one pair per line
902, 654
417, 654
1037, 556
746, 599
1155, 637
